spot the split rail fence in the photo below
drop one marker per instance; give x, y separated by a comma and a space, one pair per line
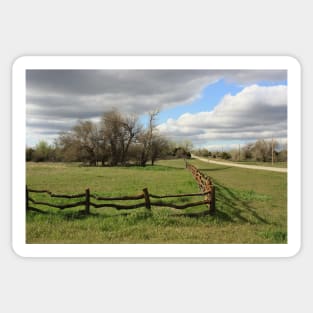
205, 185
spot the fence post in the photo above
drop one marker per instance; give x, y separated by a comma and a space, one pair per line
147, 198
212, 203
27, 200
87, 203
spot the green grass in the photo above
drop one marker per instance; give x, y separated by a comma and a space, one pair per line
251, 205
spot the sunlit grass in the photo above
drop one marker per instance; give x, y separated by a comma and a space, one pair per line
251, 205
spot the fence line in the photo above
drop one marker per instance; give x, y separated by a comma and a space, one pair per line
141, 196
205, 184
57, 195
179, 195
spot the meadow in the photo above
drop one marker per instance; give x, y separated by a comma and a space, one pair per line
251, 205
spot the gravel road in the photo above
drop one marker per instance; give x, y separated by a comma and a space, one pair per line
254, 167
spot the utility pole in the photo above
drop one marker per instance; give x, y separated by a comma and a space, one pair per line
272, 151
239, 153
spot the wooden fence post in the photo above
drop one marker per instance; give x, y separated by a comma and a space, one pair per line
87, 203
147, 198
27, 200
212, 204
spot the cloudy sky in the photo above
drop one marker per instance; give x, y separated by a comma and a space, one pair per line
212, 108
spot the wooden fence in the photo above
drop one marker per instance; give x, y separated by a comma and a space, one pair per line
205, 185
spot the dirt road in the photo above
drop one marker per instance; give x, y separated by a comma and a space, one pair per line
254, 167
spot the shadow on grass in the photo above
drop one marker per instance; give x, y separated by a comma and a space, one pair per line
231, 207
79, 215
222, 216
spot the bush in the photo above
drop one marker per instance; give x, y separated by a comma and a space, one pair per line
226, 155
29, 154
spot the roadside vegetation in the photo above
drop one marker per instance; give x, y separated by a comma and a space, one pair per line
261, 152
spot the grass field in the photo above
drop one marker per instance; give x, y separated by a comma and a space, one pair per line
251, 205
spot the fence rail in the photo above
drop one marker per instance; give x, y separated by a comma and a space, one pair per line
57, 195
205, 185
204, 182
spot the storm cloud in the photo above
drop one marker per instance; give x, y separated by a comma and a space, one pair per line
56, 99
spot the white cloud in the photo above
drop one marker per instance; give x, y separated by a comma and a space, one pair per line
255, 112
68, 95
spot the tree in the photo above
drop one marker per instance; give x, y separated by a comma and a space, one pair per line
187, 145
29, 154
180, 152
146, 137
43, 152
247, 152
225, 155
82, 143
282, 154
159, 148
203, 152
68, 147
131, 130
262, 150
182, 149
118, 132
116, 140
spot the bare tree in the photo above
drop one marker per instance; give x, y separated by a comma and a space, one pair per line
146, 138
131, 131
186, 144
68, 146
112, 139
262, 150
81, 143
118, 132
159, 148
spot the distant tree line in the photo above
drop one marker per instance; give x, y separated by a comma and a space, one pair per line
119, 139
260, 151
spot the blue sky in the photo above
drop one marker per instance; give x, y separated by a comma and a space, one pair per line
210, 108
209, 98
